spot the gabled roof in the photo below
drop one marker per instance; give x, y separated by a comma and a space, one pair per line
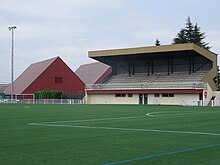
93, 73
29, 75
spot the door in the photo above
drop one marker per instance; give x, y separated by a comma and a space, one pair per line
143, 99
140, 99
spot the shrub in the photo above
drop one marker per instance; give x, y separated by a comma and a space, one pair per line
48, 94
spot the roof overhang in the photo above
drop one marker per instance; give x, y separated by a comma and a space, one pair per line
152, 50
147, 91
164, 51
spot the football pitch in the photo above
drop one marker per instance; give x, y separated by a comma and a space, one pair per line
109, 135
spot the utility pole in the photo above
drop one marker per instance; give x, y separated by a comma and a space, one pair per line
11, 28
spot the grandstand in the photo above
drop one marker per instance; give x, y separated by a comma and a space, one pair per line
158, 77
171, 74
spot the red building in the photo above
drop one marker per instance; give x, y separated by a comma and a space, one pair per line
51, 74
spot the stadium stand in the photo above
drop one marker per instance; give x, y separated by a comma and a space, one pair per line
159, 77
171, 74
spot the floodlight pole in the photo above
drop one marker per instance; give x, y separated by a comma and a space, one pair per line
11, 28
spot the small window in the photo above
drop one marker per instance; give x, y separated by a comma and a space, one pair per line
130, 95
58, 80
157, 95
119, 95
171, 95
167, 95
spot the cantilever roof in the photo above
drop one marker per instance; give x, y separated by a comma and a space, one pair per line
29, 75
153, 49
92, 73
107, 56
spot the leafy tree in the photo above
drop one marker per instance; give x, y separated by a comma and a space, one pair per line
157, 42
191, 34
217, 79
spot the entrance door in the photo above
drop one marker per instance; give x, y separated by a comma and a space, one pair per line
143, 99
140, 99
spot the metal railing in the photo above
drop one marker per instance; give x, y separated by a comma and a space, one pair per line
42, 101
162, 85
211, 103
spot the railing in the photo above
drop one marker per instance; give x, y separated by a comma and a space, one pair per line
212, 103
163, 85
42, 101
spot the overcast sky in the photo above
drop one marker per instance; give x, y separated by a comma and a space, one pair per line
69, 28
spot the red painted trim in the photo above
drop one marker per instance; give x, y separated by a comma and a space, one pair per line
147, 91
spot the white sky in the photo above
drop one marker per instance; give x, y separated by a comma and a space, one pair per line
69, 28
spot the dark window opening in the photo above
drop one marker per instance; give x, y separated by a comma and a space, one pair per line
130, 95
156, 95
167, 95
58, 80
120, 95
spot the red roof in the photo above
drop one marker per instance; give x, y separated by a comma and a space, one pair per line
42, 75
28, 76
93, 73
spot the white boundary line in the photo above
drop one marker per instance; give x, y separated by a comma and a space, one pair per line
103, 119
125, 129
151, 114
155, 114
56, 124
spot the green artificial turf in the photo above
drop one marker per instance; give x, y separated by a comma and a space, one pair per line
102, 134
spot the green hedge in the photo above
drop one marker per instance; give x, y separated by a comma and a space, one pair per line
48, 94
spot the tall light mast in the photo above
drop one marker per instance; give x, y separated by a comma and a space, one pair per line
11, 28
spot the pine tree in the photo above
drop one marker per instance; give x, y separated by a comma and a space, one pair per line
189, 31
157, 42
191, 34
198, 37
181, 37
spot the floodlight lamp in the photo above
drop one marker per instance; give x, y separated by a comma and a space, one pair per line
11, 27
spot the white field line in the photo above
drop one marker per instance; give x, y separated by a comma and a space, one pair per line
125, 129
156, 114
103, 119
151, 114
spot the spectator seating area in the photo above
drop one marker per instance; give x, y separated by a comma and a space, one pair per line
157, 77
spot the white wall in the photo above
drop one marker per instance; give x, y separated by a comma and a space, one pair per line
209, 95
178, 99
111, 99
